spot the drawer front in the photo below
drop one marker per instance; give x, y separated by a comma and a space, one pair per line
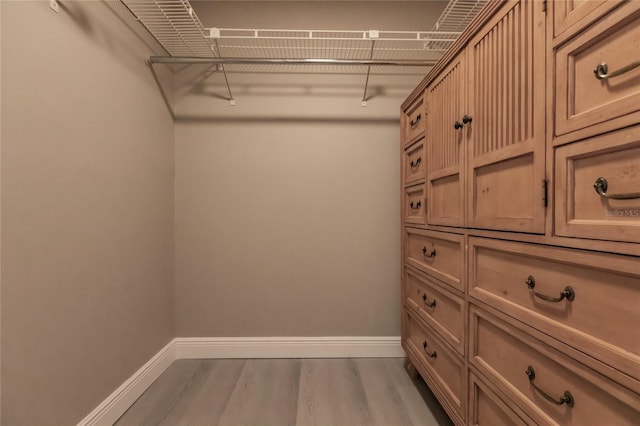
610, 163
438, 307
584, 101
414, 204
439, 254
580, 13
413, 120
443, 366
527, 369
488, 409
602, 286
413, 162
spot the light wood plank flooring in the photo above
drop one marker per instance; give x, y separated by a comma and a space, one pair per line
280, 392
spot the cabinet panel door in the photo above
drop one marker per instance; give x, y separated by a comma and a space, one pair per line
568, 13
445, 147
506, 138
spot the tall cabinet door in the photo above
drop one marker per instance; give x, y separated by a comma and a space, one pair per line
445, 147
506, 146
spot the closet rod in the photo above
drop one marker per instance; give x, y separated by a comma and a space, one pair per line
286, 61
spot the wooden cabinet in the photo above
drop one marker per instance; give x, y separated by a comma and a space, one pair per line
414, 204
597, 86
446, 147
571, 13
535, 318
442, 368
439, 254
437, 306
550, 386
413, 119
505, 140
486, 127
558, 290
413, 164
597, 187
486, 408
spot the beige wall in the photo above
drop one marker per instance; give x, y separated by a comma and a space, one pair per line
287, 228
287, 205
87, 209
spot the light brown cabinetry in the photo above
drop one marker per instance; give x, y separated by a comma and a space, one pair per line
441, 308
565, 293
505, 150
538, 310
598, 73
414, 204
597, 187
548, 385
486, 127
446, 148
413, 119
486, 408
414, 162
443, 368
569, 13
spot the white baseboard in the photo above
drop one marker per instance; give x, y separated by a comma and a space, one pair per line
122, 398
288, 347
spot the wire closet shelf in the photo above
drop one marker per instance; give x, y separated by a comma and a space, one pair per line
177, 28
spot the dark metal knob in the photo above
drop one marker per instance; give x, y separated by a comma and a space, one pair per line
466, 119
458, 125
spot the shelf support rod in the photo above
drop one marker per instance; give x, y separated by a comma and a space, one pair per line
232, 101
366, 82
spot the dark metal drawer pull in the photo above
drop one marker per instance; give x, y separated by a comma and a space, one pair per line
568, 292
416, 205
458, 125
431, 354
415, 122
601, 186
429, 304
602, 70
432, 253
417, 162
566, 398
466, 119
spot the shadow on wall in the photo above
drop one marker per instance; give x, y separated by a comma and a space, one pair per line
283, 93
97, 25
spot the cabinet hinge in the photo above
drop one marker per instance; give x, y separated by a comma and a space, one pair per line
544, 192
544, 6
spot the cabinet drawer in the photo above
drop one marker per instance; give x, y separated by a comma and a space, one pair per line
413, 121
438, 307
414, 204
611, 163
439, 254
413, 163
443, 366
488, 409
580, 13
526, 369
603, 286
584, 101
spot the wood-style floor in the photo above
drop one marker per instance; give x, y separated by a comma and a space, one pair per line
280, 392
